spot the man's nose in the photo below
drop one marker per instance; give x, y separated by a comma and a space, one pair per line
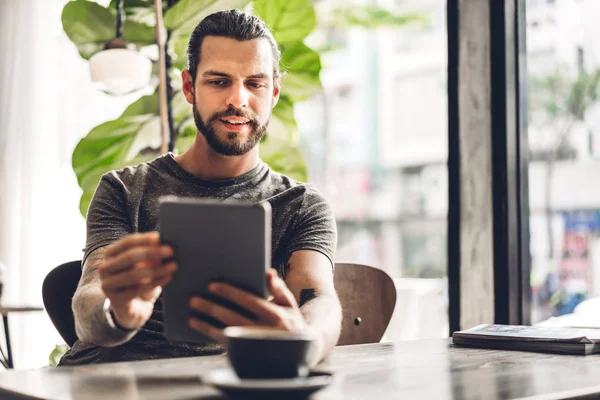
238, 98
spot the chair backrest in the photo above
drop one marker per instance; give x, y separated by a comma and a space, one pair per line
368, 298
57, 292
367, 295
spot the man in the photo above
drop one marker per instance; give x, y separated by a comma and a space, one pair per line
233, 83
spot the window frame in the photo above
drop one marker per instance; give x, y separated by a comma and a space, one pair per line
488, 215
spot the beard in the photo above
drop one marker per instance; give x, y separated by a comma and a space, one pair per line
232, 145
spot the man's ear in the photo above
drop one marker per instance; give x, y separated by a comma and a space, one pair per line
187, 86
276, 92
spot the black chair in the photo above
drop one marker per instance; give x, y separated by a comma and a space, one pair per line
57, 292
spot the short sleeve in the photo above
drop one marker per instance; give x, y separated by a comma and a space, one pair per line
314, 226
107, 219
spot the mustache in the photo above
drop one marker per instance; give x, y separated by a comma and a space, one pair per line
233, 112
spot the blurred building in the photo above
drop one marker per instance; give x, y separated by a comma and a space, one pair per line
376, 142
564, 198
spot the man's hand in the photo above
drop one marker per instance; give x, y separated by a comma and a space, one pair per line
282, 312
132, 275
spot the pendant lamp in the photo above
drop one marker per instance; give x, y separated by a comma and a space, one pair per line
119, 68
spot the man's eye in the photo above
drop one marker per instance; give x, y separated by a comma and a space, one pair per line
256, 85
217, 83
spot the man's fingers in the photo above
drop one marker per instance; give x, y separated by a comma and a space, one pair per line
138, 276
223, 314
125, 260
133, 240
263, 309
206, 329
145, 292
148, 264
152, 294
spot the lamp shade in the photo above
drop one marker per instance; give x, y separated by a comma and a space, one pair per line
120, 71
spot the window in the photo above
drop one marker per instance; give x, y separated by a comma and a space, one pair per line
376, 145
564, 167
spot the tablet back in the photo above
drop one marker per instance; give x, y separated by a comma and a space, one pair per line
213, 241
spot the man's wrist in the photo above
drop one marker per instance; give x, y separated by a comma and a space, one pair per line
112, 320
316, 352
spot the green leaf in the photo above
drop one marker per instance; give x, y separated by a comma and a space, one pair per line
290, 20
143, 15
138, 33
90, 26
112, 145
132, 4
186, 136
301, 86
283, 124
180, 108
302, 66
57, 353
183, 17
279, 149
369, 16
144, 105
299, 58
85, 200
137, 10
178, 51
284, 158
91, 182
105, 144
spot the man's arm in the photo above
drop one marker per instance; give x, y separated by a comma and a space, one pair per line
309, 276
91, 324
130, 273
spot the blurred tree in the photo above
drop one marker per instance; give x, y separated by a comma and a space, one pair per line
557, 104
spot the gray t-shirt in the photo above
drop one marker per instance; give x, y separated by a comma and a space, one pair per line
126, 201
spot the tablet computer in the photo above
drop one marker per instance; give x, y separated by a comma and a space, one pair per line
212, 241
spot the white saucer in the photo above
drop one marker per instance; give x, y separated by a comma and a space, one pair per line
227, 381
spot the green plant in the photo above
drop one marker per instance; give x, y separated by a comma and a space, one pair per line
132, 138
369, 16
56, 354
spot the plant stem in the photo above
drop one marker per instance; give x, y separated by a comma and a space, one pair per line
162, 78
120, 15
172, 129
170, 92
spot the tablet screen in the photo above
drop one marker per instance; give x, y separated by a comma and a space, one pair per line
213, 241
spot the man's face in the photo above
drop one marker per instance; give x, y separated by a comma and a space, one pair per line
233, 94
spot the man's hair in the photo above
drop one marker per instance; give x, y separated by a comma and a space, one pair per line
233, 24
